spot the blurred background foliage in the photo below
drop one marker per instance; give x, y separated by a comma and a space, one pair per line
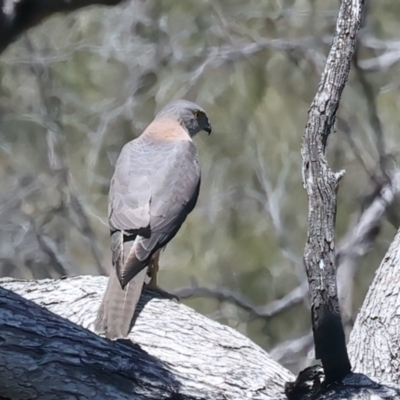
76, 88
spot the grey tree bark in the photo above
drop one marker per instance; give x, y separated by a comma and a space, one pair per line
374, 344
321, 184
335, 379
178, 354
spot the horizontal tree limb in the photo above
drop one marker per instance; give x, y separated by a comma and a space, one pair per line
294, 297
178, 354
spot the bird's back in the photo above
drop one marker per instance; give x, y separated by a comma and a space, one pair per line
153, 189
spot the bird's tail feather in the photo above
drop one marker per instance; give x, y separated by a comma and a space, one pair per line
129, 258
118, 306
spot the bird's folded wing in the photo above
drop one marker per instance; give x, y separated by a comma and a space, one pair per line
173, 174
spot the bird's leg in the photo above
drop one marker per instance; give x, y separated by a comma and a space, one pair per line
152, 273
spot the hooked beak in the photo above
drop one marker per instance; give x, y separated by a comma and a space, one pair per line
208, 129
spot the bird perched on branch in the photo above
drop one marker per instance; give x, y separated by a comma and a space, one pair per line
154, 187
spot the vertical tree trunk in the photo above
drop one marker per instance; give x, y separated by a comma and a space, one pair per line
321, 185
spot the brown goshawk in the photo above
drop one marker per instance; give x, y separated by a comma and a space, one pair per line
154, 187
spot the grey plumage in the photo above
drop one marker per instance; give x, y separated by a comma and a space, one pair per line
154, 187
151, 199
118, 306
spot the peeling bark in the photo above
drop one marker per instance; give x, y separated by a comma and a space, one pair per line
321, 185
178, 354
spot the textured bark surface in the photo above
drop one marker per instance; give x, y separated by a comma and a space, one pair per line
16, 16
309, 385
178, 354
321, 185
374, 344
45, 357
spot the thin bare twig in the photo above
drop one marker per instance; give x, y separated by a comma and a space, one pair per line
272, 309
374, 119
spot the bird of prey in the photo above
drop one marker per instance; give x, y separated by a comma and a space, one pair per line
154, 187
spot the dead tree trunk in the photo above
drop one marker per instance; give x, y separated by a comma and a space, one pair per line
334, 380
321, 185
178, 354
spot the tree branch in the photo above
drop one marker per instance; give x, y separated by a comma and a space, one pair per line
37, 344
16, 16
267, 311
321, 185
178, 354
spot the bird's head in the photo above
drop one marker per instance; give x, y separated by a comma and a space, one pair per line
190, 115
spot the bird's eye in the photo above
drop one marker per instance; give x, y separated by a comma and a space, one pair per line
196, 113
